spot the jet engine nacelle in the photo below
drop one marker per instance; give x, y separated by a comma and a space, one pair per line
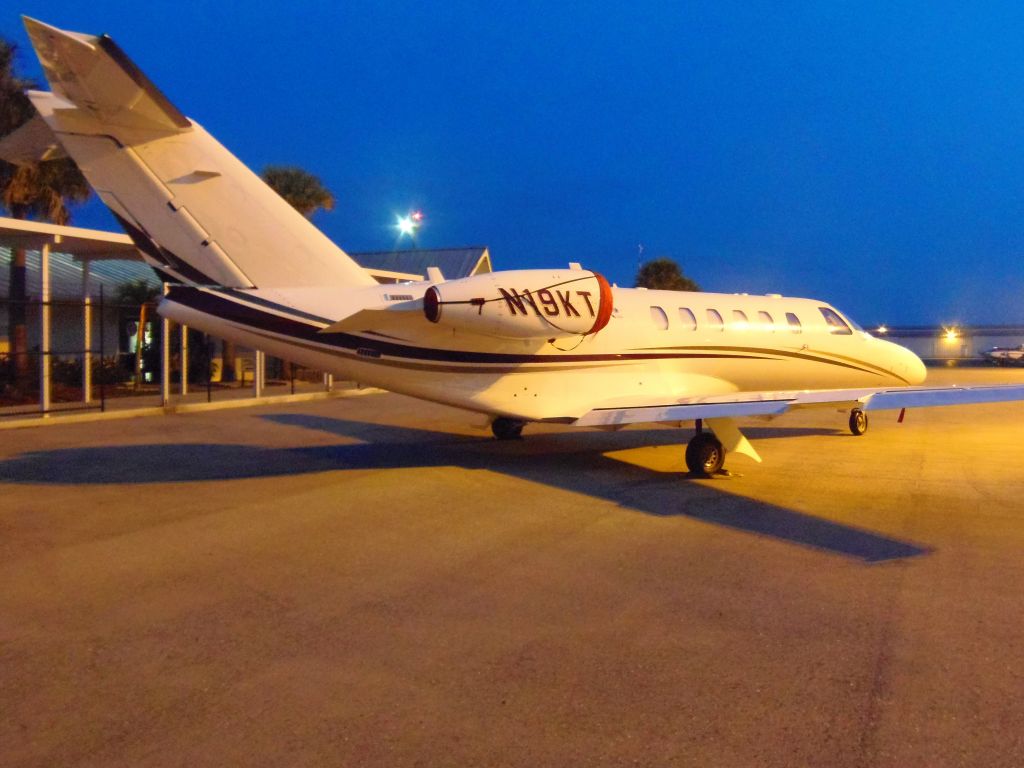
523, 304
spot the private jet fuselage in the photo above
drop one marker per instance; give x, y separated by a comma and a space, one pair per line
656, 346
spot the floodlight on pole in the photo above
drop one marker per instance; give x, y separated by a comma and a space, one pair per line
407, 225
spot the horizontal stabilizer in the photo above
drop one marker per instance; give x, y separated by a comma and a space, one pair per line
33, 142
196, 213
95, 75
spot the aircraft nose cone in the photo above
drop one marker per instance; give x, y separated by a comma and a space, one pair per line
913, 369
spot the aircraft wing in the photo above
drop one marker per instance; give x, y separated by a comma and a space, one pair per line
743, 404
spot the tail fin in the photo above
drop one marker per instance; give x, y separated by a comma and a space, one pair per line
197, 213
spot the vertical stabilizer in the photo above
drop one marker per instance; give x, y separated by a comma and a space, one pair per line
197, 213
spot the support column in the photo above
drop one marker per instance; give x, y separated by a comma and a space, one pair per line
44, 343
328, 382
165, 357
184, 360
86, 335
259, 373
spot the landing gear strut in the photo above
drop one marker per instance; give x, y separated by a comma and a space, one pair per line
505, 428
704, 454
858, 421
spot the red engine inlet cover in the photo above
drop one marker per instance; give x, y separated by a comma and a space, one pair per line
432, 304
604, 306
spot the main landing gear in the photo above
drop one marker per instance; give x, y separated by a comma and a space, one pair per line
705, 455
858, 421
505, 428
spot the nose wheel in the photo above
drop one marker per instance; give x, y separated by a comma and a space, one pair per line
858, 421
704, 455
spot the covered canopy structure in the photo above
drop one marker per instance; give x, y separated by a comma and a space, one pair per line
78, 248
75, 263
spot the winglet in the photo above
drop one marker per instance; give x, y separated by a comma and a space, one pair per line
97, 76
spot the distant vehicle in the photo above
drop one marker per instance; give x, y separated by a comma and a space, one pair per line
1005, 355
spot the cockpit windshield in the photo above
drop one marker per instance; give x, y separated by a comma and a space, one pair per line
836, 324
850, 321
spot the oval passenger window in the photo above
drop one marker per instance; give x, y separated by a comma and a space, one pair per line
659, 318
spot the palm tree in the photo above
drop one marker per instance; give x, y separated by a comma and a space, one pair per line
138, 293
38, 190
301, 189
664, 274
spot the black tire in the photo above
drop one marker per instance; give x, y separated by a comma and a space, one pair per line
705, 455
505, 428
858, 422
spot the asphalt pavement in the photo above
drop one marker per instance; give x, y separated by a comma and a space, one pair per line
374, 582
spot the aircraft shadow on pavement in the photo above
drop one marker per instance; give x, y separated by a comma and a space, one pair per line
570, 461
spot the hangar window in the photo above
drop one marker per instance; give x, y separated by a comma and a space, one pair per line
686, 317
765, 321
794, 323
739, 319
836, 324
715, 320
659, 318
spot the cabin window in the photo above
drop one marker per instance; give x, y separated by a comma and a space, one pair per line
739, 319
659, 318
794, 323
687, 318
836, 324
715, 320
766, 321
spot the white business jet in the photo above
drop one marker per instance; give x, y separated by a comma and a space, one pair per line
545, 345
1005, 355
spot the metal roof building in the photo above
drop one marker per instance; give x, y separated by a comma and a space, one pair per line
65, 265
453, 262
113, 259
66, 274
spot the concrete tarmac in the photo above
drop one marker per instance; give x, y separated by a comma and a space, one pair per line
373, 582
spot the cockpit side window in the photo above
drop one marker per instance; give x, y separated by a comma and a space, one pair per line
794, 323
836, 324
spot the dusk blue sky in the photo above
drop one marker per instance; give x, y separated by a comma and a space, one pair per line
868, 154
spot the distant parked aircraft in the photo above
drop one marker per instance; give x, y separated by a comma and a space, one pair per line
1005, 355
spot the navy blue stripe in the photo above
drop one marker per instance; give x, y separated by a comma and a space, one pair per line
220, 306
159, 254
273, 305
